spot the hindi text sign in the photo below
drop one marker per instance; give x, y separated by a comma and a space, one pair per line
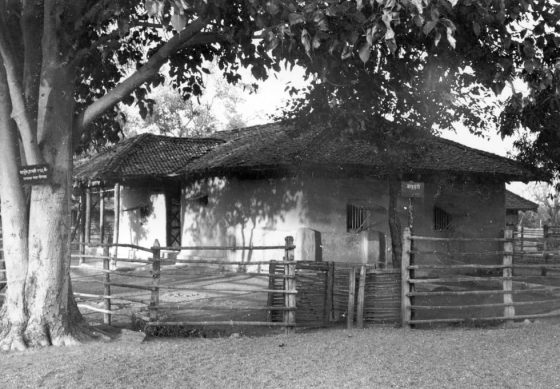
34, 174
412, 189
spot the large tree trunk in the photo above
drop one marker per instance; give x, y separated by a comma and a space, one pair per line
14, 227
47, 282
39, 308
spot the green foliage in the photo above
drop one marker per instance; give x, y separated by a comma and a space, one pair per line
416, 62
426, 64
535, 52
116, 38
172, 115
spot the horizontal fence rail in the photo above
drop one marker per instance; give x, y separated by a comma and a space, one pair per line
445, 286
188, 293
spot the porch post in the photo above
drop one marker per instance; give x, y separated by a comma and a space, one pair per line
102, 214
88, 215
116, 217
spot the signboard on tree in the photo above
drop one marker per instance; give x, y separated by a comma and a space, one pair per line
412, 189
35, 174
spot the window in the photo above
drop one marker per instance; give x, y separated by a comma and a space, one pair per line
356, 218
442, 220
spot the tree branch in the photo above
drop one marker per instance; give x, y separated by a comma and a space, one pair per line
19, 113
31, 23
187, 37
91, 13
205, 38
82, 53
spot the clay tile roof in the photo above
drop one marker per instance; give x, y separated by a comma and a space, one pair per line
142, 157
517, 203
278, 147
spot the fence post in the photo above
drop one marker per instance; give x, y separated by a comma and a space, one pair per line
507, 283
406, 310
351, 298
545, 249
271, 284
361, 292
106, 286
329, 293
87, 223
290, 285
522, 249
154, 297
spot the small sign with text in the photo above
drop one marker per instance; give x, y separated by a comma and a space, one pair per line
412, 189
35, 174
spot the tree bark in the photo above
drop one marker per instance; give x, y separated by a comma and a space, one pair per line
14, 228
48, 276
395, 227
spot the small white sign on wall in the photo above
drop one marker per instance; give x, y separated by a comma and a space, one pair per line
412, 189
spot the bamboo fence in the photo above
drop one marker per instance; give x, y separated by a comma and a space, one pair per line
331, 293
457, 290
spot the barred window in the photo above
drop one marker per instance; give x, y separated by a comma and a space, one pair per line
356, 218
442, 220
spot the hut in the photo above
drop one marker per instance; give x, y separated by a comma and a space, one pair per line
516, 204
329, 189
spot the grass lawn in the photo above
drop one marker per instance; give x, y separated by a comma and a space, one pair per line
522, 356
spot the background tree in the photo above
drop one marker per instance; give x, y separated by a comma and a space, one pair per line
171, 114
548, 212
533, 113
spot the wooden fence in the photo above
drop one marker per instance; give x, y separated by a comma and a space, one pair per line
492, 284
203, 289
330, 293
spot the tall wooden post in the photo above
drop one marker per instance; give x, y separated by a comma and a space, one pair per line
405, 278
156, 266
522, 244
351, 298
290, 286
507, 283
270, 300
329, 293
82, 233
361, 298
106, 286
116, 221
87, 221
545, 249
102, 215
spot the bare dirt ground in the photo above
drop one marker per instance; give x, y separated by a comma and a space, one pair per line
525, 356
212, 293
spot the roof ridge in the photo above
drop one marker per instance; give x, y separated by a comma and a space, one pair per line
187, 138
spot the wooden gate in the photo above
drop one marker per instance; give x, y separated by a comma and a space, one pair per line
335, 293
